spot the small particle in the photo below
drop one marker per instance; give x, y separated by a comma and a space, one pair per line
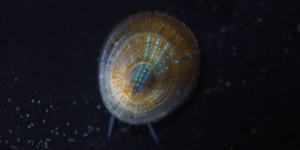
64, 134
28, 126
97, 129
68, 123
10, 131
9, 100
98, 106
46, 110
244, 82
253, 130
84, 134
56, 128
27, 115
71, 140
74, 103
231, 147
39, 101
32, 124
259, 19
207, 91
234, 48
263, 70
227, 83
124, 129
32, 101
75, 132
16, 79
57, 133
175, 61
52, 131
220, 81
51, 106
18, 139
44, 121
298, 27
223, 29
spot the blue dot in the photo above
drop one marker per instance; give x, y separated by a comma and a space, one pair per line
166, 67
175, 61
140, 79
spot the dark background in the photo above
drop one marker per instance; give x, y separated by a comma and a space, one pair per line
246, 97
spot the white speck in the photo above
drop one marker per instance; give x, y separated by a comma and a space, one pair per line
31, 124
98, 106
56, 128
28, 126
6, 142
10, 131
74, 103
234, 47
16, 79
51, 106
44, 121
28, 141
39, 101
56, 133
18, 139
46, 110
17, 109
9, 100
75, 132
68, 123
52, 131
32, 101
85, 135
71, 140
223, 29
64, 134
97, 129
21, 116
234, 53
27, 115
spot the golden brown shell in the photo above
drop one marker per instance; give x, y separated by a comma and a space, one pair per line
148, 65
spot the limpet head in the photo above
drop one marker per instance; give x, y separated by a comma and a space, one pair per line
147, 67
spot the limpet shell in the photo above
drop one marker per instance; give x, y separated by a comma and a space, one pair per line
148, 65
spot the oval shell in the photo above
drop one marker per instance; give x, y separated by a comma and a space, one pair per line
148, 66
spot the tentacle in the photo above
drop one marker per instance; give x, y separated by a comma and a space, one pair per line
110, 125
152, 132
